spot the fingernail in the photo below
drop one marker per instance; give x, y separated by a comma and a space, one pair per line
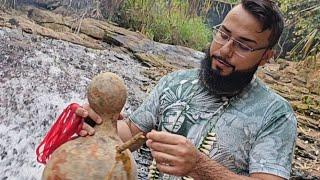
91, 133
99, 120
148, 142
83, 133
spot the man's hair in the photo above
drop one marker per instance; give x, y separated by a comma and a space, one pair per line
269, 15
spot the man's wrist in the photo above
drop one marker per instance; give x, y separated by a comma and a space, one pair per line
200, 160
209, 169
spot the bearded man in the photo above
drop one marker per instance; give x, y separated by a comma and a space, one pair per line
219, 121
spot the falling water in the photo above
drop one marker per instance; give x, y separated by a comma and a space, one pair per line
39, 77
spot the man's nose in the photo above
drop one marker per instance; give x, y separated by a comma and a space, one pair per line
227, 49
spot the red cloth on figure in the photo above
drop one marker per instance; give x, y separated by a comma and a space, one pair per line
66, 127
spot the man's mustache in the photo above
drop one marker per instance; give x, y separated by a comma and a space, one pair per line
223, 61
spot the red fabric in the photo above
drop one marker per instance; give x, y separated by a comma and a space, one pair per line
66, 127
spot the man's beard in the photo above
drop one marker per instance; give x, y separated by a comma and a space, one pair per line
228, 85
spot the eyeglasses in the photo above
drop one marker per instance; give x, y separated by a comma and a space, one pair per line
240, 48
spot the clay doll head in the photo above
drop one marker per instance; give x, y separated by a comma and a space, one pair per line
107, 95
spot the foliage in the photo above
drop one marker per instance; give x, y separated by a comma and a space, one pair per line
304, 18
167, 21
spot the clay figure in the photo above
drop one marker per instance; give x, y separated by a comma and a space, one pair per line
103, 155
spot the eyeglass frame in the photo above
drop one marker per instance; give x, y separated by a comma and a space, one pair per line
217, 29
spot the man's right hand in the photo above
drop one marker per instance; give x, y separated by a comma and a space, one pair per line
86, 111
126, 129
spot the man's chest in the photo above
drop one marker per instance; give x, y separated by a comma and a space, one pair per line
234, 131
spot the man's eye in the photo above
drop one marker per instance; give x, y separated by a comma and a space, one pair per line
224, 36
243, 47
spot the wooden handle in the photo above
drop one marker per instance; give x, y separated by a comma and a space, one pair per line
134, 140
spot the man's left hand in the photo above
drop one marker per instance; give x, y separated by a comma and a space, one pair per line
174, 154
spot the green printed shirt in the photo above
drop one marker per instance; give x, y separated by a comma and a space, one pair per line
255, 130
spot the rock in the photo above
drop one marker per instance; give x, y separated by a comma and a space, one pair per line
299, 81
283, 65
300, 107
285, 80
92, 31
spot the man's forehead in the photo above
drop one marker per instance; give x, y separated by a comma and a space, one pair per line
242, 23
241, 18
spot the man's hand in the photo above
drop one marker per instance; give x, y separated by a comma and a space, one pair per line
174, 154
86, 111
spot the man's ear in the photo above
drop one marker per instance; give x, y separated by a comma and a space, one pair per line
268, 54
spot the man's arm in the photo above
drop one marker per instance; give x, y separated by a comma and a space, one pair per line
176, 155
208, 169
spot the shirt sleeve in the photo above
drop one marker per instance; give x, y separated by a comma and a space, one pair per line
272, 152
145, 117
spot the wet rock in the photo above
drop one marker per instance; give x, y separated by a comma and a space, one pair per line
3, 154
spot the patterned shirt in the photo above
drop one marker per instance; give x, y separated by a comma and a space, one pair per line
255, 130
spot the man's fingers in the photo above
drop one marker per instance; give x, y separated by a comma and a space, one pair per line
173, 170
161, 147
163, 158
93, 115
83, 133
86, 111
90, 130
166, 137
82, 112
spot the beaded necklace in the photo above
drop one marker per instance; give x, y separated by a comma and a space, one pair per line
208, 140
